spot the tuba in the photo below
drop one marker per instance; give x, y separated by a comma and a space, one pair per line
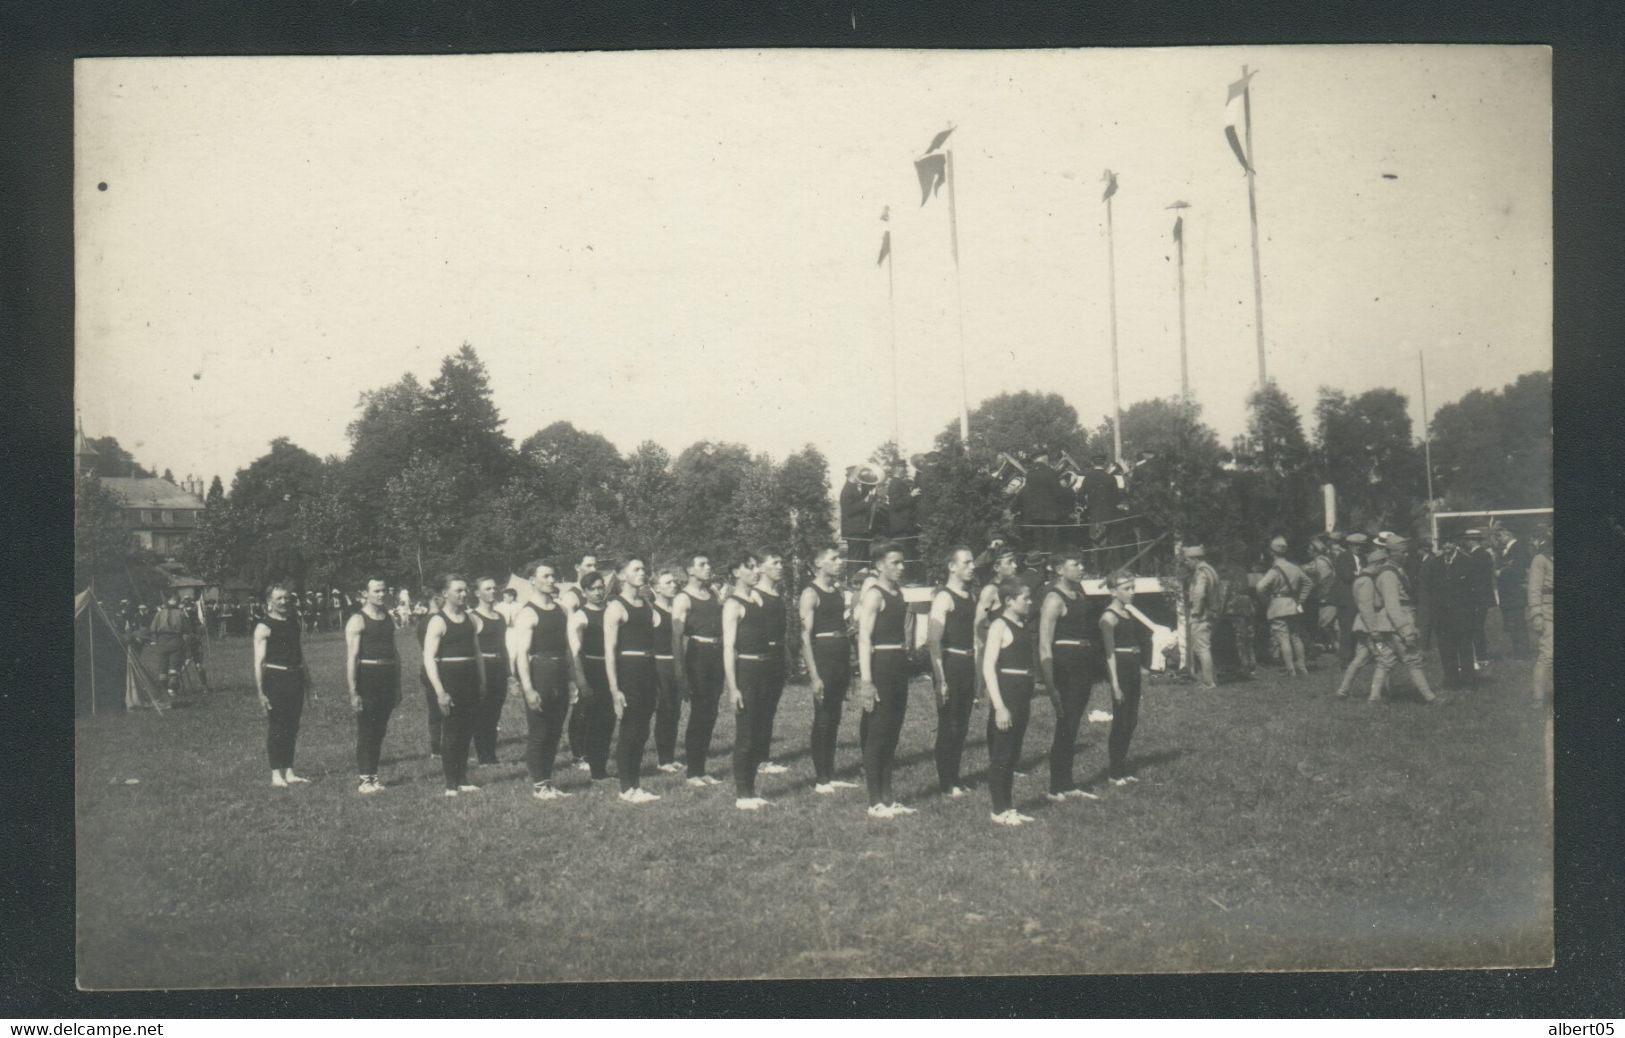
1071, 471
1011, 473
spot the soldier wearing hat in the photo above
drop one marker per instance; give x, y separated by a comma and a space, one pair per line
1382, 596
1539, 602
1286, 587
1202, 594
1346, 563
1322, 611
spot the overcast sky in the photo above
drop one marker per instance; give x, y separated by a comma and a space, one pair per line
682, 246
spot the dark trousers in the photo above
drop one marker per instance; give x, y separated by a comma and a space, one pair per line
1481, 645
1075, 674
772, 692
1345, 635
705, 679
830, 656
286, 691
636, 676
1516, 625
668, 709
1125, 715
462, 684
597, 713
550, 677
953, 716
496, 693
884, 723
857, 553
751, 678
1004, 745
1455, 649
437, 720
379, 687
171, 658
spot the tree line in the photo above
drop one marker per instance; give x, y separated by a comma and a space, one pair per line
432, 482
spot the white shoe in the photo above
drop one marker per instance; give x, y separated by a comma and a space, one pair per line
370, 786
646, 797
1019, 774
1080, 794
672, 768
881, 811
277, 781
1021, 817
750, 803
899, 809
1055, 798
769, 768
1009, 818
708, 780
451, 792
468, 787
824, 788
295, 780
838, 784
958, 791
637, 796
697, 781
1125, 780
1099, 717
544, 792
582, 765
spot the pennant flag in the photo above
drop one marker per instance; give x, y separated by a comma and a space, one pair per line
1111, 185
939, 140
885, 248
933, 170
1179, 227
1234, 104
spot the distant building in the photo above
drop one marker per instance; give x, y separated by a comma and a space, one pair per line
158, 514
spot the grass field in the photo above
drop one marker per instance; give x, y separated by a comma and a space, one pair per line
1274, 827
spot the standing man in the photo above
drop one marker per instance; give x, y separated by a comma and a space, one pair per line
1510, 590
951, 639
883, 634
629, 640
420, 627
857, 512
1540, 592
1371, 620
1204, 609
373, 668
774, 674
1126, 640
451, 658
1286, 588
989, 601
744, 650
1100, 496
696, 623
571, 595
902, 509
1040, 501
1007, 673
594, 720
168, 629
1429, 592
668, 688
282, 681
493, 643
1069, 658
573, 598
825, 647
1453, 618
539, 641
1482, 570
1397, 639
1322, 579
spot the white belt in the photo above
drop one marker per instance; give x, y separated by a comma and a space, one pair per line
630, 652
491, 655
830, 634
547, 656
1130, 649
747, 656
376, 663
277, 666
880, 648
702, 639
664, 656
1067, 641
956, 652
1013, 670
590, 656
454, 659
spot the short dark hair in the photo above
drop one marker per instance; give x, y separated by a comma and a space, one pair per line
741, 559
952, 553
1066, 555
885, 548
367, 582
694, 557
1012, 588
449, 579
480, 580
763, 554
536, 564
591, 580
825, 549
634, 557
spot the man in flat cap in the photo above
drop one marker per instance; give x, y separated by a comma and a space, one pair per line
1285, 588
1202, 601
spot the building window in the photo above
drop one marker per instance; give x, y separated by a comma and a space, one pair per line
146, 517
167, 517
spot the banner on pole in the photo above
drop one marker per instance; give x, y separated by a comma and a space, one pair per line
1234, 105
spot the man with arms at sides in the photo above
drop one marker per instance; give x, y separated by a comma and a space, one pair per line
282, 682
1540, 605
1322, 615
573, 598
668, 688
744, 663
771, 570
629, 642
825, 647
696, 637
1068, 658
1396, 639
493, 643
1007, 673
373, 668
451, 658
428, 605
596, 710
1204, 609
1286, 588
883, 635
988, 600
540, 643
951, 639
858, 512
1125, 640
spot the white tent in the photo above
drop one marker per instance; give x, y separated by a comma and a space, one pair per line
108, 672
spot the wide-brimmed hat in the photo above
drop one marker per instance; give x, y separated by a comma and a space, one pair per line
1195, 551
1356, 539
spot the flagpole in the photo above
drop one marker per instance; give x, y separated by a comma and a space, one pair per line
896, 379
1427, 438
1111, 275
959, 299
1184, 361
1252, 213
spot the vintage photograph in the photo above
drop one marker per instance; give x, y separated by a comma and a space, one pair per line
702, 515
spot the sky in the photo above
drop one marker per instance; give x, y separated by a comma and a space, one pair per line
681, 246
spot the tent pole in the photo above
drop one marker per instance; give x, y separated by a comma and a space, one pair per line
90, 622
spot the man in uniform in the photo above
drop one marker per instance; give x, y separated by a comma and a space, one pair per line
1285, 587
1509, 586
1346, 564
1040, 502
1069, 656
1397, 639
1429, 591
884, 624
168, 629
1204, 606
373, 672
1100, 494
1539, 604
828, 654
1482, 569
902, 510
1322, 610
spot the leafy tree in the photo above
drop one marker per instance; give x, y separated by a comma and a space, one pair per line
168, 477
759, 517
330, 533
100, 541
217, 493
1280, 496
708, 476
1363, 447
114, 460
266, 496
1493, 449
569, 462
219, 546
960, 503
422, 512
512, 526
1019, 422
648, 493
585, 527
461, 422
1183, 489
804, 488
